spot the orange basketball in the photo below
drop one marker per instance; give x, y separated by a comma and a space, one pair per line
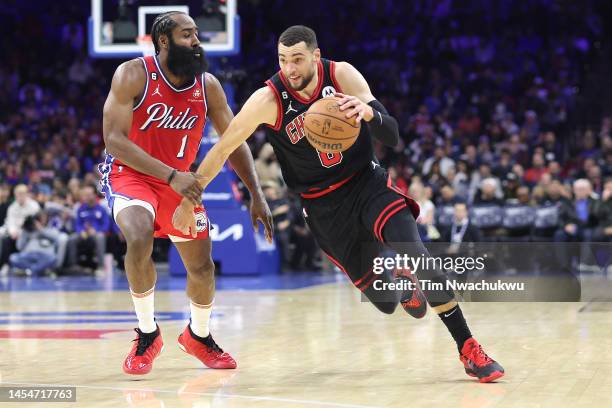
327, 128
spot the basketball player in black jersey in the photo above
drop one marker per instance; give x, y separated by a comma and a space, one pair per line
349, 203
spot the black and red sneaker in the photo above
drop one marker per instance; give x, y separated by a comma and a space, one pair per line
147, 346
205, 349
413, 301
478, 364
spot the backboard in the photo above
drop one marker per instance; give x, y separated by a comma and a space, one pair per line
120, 28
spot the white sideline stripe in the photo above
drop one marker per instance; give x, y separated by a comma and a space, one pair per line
207, 394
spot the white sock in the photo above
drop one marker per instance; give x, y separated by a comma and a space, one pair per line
200, 316
144, 307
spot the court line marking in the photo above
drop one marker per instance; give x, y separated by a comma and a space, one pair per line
204, 394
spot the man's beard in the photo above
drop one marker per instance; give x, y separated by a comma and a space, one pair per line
183, 61
305, 82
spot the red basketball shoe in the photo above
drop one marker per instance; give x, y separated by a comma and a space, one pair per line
205, 349
147, 347
413, 301
478, 364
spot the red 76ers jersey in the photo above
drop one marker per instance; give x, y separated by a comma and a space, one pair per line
168, 122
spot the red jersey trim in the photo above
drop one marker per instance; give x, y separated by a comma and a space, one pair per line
161, 73
326, 190
314, 95
332, 74
146, 89
279, 109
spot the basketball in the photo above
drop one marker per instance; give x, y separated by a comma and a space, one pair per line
327, 128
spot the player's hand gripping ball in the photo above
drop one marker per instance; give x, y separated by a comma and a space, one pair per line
327, 128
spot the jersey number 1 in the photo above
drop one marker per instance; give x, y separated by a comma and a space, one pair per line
181, 152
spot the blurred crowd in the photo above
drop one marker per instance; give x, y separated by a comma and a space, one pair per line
489, 121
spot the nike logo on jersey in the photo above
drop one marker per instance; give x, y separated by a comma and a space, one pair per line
156, 92
290, 108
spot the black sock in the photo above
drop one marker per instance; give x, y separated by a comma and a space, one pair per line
455, 323
204, 340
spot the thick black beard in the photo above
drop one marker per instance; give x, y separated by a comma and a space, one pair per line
183, 61
305, 82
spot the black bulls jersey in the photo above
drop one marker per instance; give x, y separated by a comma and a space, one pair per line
304, 168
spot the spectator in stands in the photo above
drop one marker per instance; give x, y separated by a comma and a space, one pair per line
607, 163
40, 246
16, 214
267, 167
425, 222
522, 196
552, 149
458, 179
447, 196
510, 185
280, 208
594, 176
487, 195
484, 172
5, 194
461, 229
577, 220
92, 223
518, 150
504, 165
439, 157
603, 232
537, 169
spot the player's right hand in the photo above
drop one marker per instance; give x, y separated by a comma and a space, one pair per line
189, 185
184, 220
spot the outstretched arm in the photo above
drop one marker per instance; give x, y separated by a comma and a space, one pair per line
358, 101
127, 86
241, 159
260, 108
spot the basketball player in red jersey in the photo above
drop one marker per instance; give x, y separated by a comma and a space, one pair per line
349, 202
154, 118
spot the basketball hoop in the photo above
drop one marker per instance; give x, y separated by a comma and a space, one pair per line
146, 45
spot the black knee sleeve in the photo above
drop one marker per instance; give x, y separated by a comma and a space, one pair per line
401, 234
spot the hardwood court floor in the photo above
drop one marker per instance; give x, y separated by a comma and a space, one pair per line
311, 347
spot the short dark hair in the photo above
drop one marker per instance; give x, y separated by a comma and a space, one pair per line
163, 25
298, 33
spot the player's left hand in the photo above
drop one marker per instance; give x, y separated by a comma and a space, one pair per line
355, 107
184, 219
261, 212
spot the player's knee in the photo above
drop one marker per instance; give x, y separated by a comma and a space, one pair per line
401, 227
139, 241
204, 270
138, 235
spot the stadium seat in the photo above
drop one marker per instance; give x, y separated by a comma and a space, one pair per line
444, 216
486, 216
545, 223
518, 217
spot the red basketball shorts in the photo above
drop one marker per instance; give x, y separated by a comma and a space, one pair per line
126, 189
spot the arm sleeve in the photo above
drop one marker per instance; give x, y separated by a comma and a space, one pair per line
383, 126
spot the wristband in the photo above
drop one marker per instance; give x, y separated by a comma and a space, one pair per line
171, 176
